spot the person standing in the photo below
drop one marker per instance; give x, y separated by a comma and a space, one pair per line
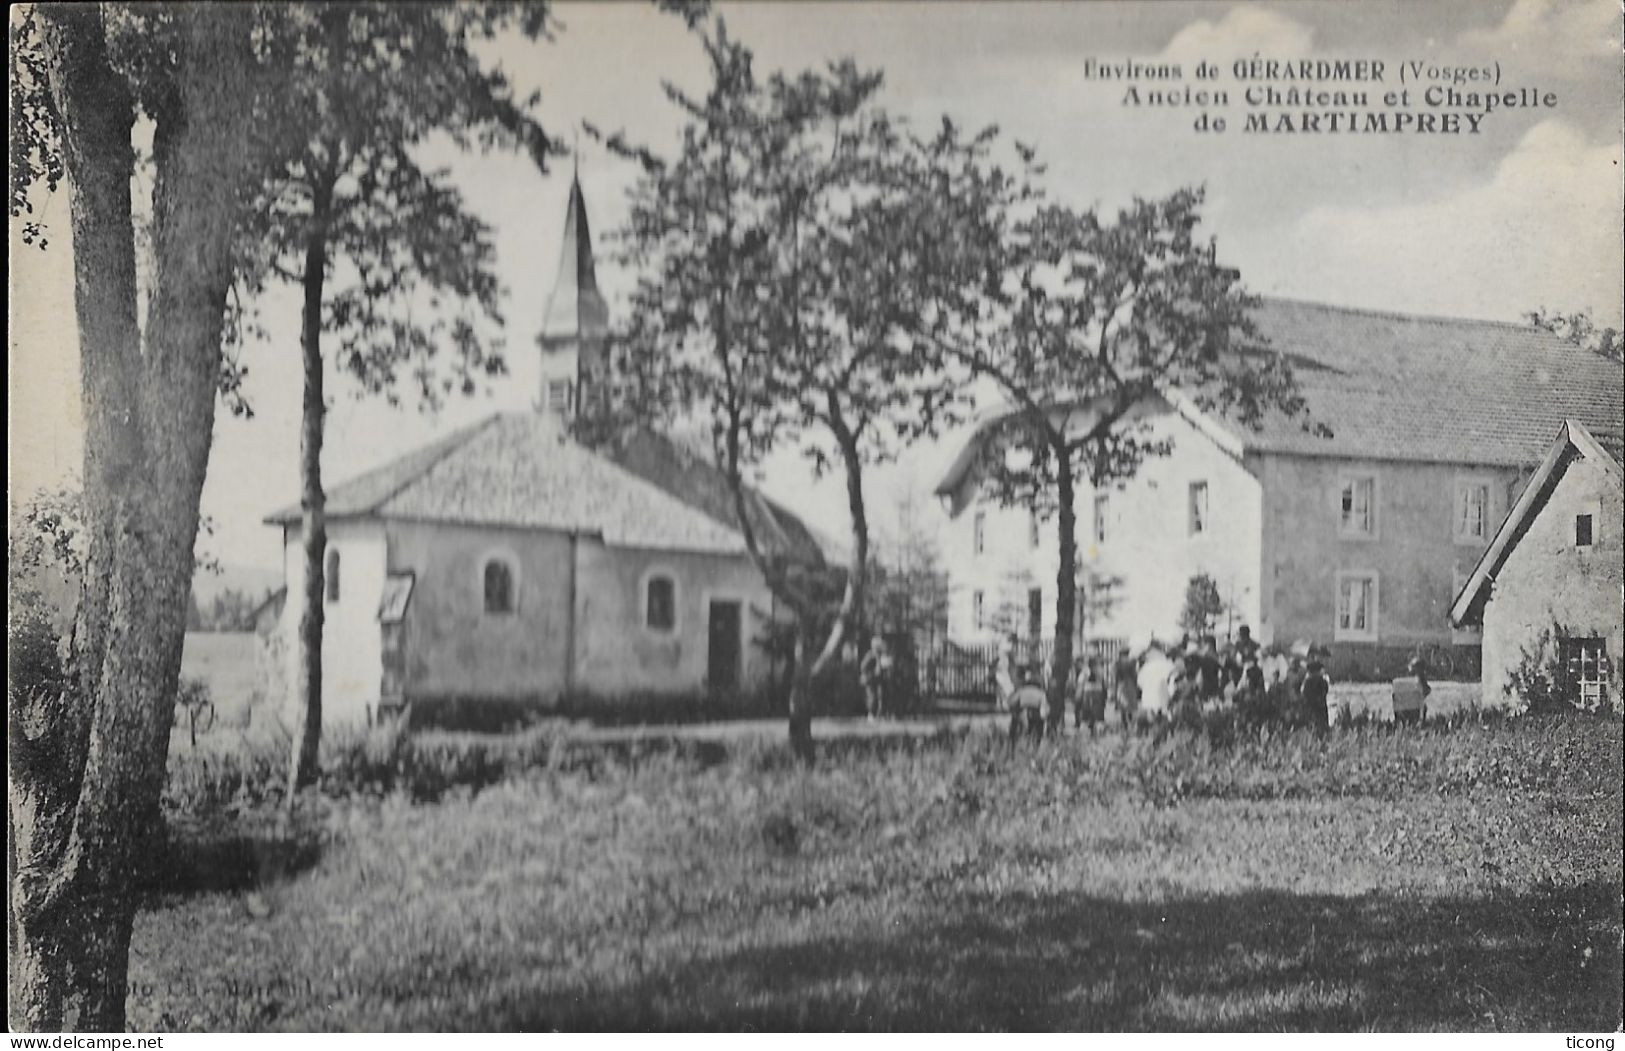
1209, 671
1004, 671
1317, 695
874, 672
1089, 696
1127, 675
1154, 679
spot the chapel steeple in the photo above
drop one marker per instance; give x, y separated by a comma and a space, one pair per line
577, 318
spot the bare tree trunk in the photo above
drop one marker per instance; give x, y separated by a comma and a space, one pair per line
149, 425
49, 735
851, 610
1066, 578
307, 736
850, 613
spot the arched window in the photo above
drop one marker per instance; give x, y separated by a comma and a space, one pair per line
660, 604
330, 577
499, 590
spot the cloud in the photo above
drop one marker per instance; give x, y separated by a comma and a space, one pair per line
1540, 33
1242, 31
1545, 229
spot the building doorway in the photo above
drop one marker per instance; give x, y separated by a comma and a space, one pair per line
726, 646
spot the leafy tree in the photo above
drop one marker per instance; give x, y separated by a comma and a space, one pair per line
912, 586
1203, 606
381, 248
780, 277
1086, 325
1579, 328
86, 763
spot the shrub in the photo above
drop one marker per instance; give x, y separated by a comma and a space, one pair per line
34, 658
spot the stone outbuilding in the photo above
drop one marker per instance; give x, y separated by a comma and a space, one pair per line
1550, 589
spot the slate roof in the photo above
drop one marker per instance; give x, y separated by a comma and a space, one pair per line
1442, 390
521, 470
1423, 389
1574, 440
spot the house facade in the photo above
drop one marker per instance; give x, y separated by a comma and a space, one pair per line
1358, 540
509, 564
1551, 584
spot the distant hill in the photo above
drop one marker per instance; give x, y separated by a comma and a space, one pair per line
254, 581
223, 600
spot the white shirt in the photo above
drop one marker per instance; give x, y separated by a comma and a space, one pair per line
1154, 675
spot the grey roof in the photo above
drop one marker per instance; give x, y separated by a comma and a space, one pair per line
576, 307
1426, 389
1445, 390
522, 470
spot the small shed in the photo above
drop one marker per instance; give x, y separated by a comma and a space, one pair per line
1549, 591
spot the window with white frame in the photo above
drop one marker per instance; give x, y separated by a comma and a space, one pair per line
660, 604
1356, 606
1035, 613
498, 585
1198, 508
1102, 509
1033, 523
977, 610
558, 395
1587, 663
979, 532
1585, 529
1472, 509
1357, 506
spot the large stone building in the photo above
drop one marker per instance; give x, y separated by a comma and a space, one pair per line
1550, 588
510, 564
1359, 540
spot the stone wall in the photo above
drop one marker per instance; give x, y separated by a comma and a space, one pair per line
1547, 580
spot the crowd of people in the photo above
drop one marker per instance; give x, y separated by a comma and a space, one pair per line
1156, 684
1160, 683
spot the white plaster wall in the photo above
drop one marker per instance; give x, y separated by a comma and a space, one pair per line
352, 656
1148, 544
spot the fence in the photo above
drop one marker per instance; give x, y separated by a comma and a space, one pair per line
952, 671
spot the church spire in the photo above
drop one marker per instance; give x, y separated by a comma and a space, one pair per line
576, 309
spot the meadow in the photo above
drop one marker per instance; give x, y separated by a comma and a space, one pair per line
1464, 875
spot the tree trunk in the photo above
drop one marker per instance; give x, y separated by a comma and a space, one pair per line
800, 704
850, 614
1066, 578
149, 422
307, 736
49, 736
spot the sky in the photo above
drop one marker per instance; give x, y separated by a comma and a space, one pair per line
1528, 213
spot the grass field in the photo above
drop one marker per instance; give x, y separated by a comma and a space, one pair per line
1463, 877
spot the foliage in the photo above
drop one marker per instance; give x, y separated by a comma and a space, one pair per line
1579, 328
1086, 324
213, 81
1542, 678
47, 533
33, 647
610, 888
910, 591
1203, 606
785, 260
